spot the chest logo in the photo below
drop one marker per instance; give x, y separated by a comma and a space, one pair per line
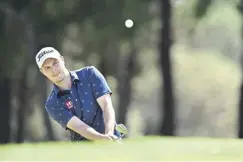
69, 104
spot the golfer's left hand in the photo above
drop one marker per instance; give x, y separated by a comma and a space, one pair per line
114, 137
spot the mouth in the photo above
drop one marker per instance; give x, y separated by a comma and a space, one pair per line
56, 75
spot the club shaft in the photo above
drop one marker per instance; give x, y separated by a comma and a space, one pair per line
120, 137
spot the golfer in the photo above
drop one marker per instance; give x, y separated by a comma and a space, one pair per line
80, 100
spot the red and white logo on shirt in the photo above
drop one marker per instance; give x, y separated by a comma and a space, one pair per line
69, 104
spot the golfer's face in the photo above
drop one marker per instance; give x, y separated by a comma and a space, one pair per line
53, 69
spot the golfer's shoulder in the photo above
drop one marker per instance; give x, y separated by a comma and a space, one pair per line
85, 72
51, 100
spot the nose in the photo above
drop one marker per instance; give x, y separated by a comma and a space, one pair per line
54, 70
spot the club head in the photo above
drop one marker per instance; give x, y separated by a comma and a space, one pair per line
122, 129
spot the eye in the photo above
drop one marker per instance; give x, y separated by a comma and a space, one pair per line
47, 68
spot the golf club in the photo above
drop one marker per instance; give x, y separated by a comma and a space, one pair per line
121, 129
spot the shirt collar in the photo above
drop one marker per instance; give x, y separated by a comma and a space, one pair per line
74, 78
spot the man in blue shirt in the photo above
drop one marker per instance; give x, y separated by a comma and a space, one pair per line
80, 100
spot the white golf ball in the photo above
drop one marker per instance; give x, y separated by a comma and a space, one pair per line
129, 23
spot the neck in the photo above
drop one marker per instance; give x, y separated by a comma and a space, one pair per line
66, 82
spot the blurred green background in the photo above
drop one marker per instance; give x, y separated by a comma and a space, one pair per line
177, 72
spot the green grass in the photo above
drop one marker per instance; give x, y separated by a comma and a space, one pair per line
145, 149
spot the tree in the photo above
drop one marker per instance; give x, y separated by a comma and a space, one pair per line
168, 125
127, 71
200, 11
18, 29
240, 109
5, 78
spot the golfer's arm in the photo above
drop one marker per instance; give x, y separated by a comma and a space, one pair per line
108, 112
84, 130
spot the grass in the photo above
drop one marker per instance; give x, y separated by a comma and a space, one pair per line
140, 149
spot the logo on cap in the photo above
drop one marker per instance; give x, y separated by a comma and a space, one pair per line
43, 53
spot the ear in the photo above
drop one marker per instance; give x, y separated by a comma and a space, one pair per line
41, 71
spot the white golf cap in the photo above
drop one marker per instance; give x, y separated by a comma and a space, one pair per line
45, 53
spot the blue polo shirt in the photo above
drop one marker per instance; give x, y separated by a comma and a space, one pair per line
88, 84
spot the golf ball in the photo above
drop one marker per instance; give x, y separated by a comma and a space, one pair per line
129, 23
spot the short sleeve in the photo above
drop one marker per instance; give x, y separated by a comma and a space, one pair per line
98, 82
60, 114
